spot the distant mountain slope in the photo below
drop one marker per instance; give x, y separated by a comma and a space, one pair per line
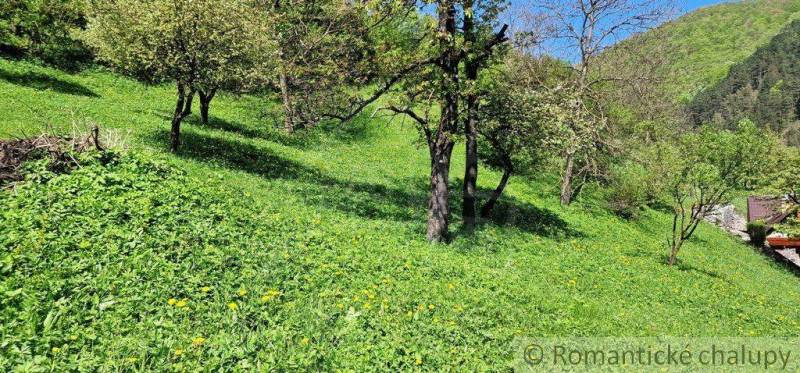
704, 44
765, 88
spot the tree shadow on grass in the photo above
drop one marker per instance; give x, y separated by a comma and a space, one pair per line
508, 212
219, 124
404, 202
372, 201
524, 216
43, 82
686, 267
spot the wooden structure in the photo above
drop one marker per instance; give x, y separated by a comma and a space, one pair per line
772, 212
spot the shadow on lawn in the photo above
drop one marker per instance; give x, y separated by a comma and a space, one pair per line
405, 202
219, 124
43, 82
373, 201
510, 211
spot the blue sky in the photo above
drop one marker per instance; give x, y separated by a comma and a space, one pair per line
689, 5
559, 49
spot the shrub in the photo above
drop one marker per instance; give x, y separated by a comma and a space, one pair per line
44, 29
758, 232
791, 228
627, 193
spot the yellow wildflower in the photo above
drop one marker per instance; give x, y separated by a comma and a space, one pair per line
233, 306
197, 341
418, 361
431, 307
181, 303
178, 352
73, 338
304, 341
340, 305
451, 286
410, 314
172, 301
56, 350
242, 292
205, 289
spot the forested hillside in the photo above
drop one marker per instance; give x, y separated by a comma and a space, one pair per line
764, 88
699, 48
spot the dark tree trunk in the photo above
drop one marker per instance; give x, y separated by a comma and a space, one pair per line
286, 97
187, 110
470, 125
439, 208
471, 168
486, 210
441, 145
177, 117
566, 182
205, 102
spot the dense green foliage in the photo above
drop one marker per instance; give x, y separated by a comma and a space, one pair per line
43, 29
764, 88
758, 233
307, 252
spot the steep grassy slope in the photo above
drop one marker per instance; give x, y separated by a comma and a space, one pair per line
309, 253
704, 44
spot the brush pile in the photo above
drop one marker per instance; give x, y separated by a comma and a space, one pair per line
60, 150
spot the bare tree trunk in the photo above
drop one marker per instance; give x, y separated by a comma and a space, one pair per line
205, 102
471, 169
470, 124
438, 208
187, 110
441, 146
486, 210
566, 181
673, 256
288, 109
177, 117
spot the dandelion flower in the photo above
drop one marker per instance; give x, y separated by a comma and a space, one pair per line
172, 301
418, 361
178, 352
233, 306
197, 341
270, 295
205, 289
242, 292
181, 303
431, 307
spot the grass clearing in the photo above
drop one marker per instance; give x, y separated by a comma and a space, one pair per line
309, 252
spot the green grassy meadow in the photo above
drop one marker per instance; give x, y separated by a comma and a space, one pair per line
250, 249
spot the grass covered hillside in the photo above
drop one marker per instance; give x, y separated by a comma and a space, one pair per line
253, 250
703, 45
